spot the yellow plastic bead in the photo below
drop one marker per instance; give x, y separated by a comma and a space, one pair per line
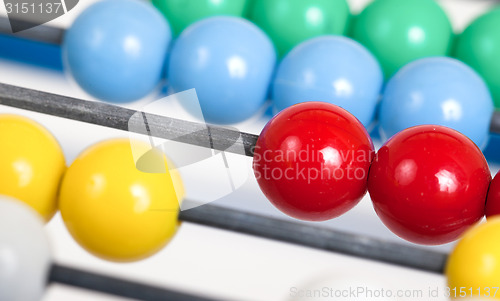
31, 164
473, 268
114, 210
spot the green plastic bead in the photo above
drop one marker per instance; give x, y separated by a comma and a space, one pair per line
182, 13
289, 22
479, 47
400, 31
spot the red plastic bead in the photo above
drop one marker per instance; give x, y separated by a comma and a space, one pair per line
312, 161
428, 184
493, 200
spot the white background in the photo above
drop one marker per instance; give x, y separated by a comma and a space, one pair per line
216, 263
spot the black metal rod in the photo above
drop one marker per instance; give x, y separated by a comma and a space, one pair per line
316, 237
41, 33
112, 116
495, 123
120, 118
114, 286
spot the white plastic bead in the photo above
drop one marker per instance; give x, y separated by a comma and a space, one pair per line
25, 256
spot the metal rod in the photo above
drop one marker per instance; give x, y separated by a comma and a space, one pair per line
40, 33
120, 118
108, 115
316, 237
495, 123
114, 286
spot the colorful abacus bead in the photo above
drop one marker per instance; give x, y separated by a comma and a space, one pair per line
182, 13
441, 91
116, 49
333, 69
31, 162
428, 184
479, 47
473, 267
312, 160
398, 32
25, 256
113, 209
289, 23
493, 201
229, 61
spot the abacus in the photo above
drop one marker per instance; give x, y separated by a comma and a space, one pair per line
221, 139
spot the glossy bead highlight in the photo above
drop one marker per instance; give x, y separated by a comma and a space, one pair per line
312, 160
332, 69
32, 164
115, 50
398, 32
229, 61
114, 210
441, 91
182, 13
428, 184
289, 23
25, 255
479, 47
474, 264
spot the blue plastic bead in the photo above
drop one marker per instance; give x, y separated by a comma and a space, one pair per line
229, 61
332, 69
116, 49
441, 91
